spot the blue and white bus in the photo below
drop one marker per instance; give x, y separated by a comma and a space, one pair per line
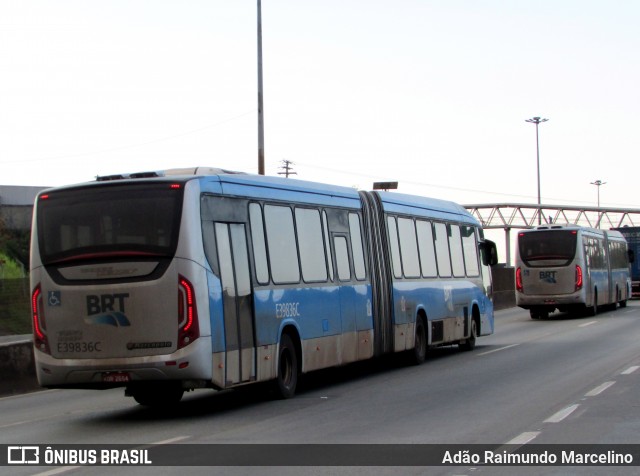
192, 278
571, 268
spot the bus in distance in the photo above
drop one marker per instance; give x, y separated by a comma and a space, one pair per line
571, 268
632, 235
165, 282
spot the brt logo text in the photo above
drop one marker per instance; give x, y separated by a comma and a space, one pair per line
98, 304
548, 277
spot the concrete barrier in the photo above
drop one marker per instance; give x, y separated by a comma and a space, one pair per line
504, 286
17, 368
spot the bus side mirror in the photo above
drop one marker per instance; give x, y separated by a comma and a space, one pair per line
632, 256
489, 253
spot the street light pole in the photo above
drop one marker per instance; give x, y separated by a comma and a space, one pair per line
260, 106
598, 183
537, 121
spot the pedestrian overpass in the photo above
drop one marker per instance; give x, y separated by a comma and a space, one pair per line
522, 216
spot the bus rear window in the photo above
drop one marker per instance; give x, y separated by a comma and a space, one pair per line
109, 221
547, 248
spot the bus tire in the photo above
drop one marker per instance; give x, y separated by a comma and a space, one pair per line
470, 343
593, 310
419, 352
287, 378
622, 302
157, 395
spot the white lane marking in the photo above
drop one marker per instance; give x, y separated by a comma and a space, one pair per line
498, 350
26, 422
630, 370
64, 469
562, 414
599, 389
26, 395
17, 423
523, 438
587, 323
170, 440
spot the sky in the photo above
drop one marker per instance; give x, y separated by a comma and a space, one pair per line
433, 94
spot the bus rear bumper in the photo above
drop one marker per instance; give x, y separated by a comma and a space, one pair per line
192, 363
550, 302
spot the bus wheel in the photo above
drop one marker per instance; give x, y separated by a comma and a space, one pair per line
158, 395
287, 368
593, 310
622, 302
419, 352
470, 343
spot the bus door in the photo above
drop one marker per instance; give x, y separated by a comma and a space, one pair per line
349, 350
233, 259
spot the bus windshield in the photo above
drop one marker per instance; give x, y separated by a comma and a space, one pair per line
548, 248
109, 221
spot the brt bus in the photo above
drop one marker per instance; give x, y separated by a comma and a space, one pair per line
170, 281
571, 268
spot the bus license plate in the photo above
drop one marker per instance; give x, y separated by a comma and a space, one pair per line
116, 377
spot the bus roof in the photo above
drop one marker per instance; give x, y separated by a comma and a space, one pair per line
613, 233
217, 180
428, 207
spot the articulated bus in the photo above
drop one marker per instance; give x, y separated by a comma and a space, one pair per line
571, 268
165, 282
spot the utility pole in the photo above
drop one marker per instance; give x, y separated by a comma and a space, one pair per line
260, 106
288, 170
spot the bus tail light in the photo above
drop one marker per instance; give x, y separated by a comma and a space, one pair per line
519, 280
579, 278
39, 324
188, 328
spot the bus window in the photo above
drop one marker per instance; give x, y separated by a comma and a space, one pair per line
409, 248
327, 244
394, 247
455, 245
427, 252
470, 250
312, 258
442, 250
546, 248
259, 245
281, 240
356, 247
342, 258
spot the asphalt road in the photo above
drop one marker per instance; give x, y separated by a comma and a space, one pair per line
560, 381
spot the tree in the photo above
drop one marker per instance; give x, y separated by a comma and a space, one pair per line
15, 244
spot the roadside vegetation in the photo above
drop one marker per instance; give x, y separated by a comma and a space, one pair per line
14, 282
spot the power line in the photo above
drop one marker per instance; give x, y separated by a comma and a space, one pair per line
444, 187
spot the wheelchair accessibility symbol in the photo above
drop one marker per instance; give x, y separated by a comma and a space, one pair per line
54, 298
